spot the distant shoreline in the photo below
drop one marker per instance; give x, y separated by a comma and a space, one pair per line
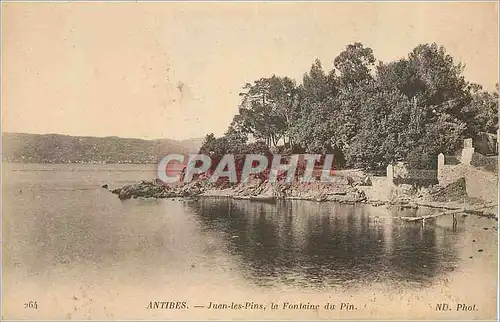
65, 149
81, 163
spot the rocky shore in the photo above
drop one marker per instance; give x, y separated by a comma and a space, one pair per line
254, 189
348, 190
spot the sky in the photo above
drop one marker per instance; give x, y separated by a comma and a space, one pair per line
174, 70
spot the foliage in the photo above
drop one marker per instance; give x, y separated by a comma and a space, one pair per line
410, 110
267, 108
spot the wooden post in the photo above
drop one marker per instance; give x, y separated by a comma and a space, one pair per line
440, 166
390, 173
467, 152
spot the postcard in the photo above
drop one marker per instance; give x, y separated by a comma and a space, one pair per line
249, 160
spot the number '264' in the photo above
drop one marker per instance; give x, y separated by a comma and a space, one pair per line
31, 305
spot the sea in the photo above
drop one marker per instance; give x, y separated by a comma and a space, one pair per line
77, 251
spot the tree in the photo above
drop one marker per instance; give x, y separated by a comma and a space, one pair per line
401, 76
443, 135
354, 64
484, 111
439, 76
267, 108
410, 109
317, 86
379, 137
236, 133
213, 146
311, 128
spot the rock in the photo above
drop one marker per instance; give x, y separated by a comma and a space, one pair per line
407, 189
160, 195
321, 199
263, 198
256, 190
366, 181
105, 186
360, 195
413, 205
124, 194
116, 191
241, 197
340, 180
452, 192
338, 193
146, 189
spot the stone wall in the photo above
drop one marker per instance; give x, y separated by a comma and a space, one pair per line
456, 191
450, 173
486, 144
400, 173
486, 163
479, 172
482, 184
380, 190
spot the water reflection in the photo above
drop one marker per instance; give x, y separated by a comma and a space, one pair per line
62, 223
311, 244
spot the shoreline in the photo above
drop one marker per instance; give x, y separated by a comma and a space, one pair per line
347, 192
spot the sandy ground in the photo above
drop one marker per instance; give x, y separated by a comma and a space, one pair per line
472, 283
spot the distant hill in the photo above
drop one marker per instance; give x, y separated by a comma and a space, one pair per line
193, 144
55, 148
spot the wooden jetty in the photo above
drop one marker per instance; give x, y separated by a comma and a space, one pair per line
449, 212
